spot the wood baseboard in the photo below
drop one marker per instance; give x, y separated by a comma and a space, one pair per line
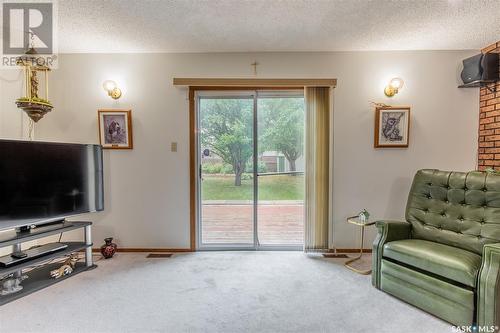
140, 249
160, 250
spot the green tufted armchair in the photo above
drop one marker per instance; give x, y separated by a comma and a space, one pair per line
445, 258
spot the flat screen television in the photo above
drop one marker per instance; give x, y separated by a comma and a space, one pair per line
43, 182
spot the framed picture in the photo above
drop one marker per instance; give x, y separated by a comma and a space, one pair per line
392, 127
115, 129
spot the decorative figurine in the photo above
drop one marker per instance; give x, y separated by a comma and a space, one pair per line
108, 250
364, 215
67, 267
11, 284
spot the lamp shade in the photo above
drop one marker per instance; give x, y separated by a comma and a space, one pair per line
109, 85
396, 83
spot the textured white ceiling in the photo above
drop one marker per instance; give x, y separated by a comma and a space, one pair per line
275, 25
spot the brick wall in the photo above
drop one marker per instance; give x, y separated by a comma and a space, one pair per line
489, 122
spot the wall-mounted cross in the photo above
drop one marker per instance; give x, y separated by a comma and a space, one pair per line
254, 64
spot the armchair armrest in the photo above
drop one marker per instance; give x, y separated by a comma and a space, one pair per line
388, 231
488, 290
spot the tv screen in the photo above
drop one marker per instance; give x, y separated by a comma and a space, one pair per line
43, 182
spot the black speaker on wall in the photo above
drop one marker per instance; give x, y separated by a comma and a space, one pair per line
481, 68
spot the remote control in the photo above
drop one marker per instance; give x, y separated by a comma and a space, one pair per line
19, 255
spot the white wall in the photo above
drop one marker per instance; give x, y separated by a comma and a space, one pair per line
147, 189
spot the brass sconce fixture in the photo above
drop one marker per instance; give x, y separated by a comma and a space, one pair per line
113, 91
393, 87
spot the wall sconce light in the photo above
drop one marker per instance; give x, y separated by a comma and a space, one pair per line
113, 91
393, 87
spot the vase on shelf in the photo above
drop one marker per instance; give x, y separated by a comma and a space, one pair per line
364, 215
109, 248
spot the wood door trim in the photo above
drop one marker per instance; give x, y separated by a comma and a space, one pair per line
192, 169
251, 82
193, 173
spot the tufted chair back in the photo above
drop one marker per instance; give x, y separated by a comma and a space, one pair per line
455, 208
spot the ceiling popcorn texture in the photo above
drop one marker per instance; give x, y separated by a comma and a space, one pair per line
128, 26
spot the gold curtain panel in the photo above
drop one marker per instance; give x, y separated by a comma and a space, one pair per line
317, 171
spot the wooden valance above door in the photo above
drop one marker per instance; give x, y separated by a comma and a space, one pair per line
249, 82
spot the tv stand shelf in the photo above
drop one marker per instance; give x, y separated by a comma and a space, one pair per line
72, 247
40, 267
39, 278
11, 237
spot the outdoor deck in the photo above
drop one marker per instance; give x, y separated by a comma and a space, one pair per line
278, 224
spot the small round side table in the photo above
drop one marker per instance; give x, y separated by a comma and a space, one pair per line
362, 224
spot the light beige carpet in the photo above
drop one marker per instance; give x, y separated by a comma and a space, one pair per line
216, 292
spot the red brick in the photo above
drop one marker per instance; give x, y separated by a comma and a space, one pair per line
487, 109
493, 101
492, 150
487, 144
492, 138
487, 97
492, 162
493, 113
487, 120
489, 132
492, 125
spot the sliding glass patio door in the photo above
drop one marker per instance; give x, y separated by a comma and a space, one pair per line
226, 183
250, 158
280, 205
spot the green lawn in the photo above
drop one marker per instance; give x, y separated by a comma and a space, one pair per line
216, 187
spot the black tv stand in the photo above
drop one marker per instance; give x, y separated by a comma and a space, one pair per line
39, 277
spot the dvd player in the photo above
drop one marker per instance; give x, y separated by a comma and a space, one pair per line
35, 252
